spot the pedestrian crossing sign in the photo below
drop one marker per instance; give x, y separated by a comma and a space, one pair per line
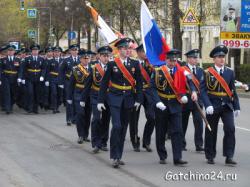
190, 18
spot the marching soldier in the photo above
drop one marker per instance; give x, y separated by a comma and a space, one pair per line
147, 102
221, 102
9, 69
64, 76
169, 93
100, 120
76, 87
122, 78
197, 75
52, 79
32, 73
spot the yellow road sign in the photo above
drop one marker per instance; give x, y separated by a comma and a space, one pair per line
190, 18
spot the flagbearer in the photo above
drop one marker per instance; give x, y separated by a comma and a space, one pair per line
100, 120
221, 102
123, 78
197, 76
169, 93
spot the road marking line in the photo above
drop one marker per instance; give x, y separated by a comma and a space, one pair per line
237, 127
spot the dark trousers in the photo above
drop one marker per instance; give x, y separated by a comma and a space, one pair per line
54, 96
120, 118
198, 126
227, 117
100, 127
150, 123
87, 114
33, 93
10, 92
69, 108
133, 127
164, 119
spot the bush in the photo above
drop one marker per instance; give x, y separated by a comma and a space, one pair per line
244, 73
207, 65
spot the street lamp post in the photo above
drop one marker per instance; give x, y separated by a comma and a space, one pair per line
39, 22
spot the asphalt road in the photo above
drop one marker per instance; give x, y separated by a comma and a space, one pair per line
40, 150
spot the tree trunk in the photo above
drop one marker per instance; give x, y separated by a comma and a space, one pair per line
177, 35
122, 17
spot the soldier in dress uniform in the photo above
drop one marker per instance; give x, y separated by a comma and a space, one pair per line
221, 102
64, 76
168, 84
146, 71
52, 79
32, 73
197, 76
100, 120
9, 69
121, 78
76, 87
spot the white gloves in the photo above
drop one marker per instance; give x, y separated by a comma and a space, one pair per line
47, 83
82, 104
23, 81
236, 113
69, 102
100, 107
245, 87
210, 110
161, 106
136, 105
0, 82
238, 83
41, 79
19, 80
61, 86
184, 99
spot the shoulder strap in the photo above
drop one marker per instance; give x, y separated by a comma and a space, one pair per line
170, 81
221, 80
145, 74
194, 79
125, 72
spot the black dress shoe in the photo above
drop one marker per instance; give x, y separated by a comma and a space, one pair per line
104, 148
199, 149
230, 161
96, 150
180, 162
184, 149
115, 164
57, 111
162, 161
137, 149
54, 112
148, 148
121, 162
68, 123
86, 139
210, 161
80, 140
7, 112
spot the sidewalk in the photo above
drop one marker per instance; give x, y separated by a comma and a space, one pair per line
241, 93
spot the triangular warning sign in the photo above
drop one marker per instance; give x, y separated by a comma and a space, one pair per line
190, 18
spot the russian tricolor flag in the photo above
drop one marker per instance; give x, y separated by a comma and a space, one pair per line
154, 43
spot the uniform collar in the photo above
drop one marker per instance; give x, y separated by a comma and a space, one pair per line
218, 68
191, 66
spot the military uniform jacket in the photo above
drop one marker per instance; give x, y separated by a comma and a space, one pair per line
66, 67
10, 69
92, 84
77, 83
200, 77
160, 90
33, 70
52, 71
116, 96
147, 97
211, 91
